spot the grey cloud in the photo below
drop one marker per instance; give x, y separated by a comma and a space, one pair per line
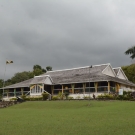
65, 34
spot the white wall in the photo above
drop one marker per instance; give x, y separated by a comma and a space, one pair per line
81, 96
108, 71
127, 88
121, 76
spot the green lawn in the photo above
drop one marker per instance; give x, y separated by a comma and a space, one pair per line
69, 118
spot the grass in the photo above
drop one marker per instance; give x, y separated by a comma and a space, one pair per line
69, 118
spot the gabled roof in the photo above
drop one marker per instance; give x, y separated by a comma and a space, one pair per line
74, 75
116, 70
37, 80
119, 70
21, 84
109, 71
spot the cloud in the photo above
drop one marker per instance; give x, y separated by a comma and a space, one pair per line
65, 34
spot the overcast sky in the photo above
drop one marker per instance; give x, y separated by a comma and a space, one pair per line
65, 33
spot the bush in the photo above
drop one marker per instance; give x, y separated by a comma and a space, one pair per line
106, 96
45, 96
23, 97
33, 98
70, 98
66, 94
78, 97
61, 96
13, 99
86, 97
55, 98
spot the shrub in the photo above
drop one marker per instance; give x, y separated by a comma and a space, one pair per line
78, 97
61, 96
55, 98
23, 97
70, 98
13, 99
86, 97
45, 96
66, 94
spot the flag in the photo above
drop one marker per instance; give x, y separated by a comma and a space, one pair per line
9, 61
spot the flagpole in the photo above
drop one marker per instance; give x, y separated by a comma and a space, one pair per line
4, 79
7, 62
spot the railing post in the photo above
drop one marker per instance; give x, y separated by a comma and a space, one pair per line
96, 86
84, 85
62, 88
14, 92
52, 88
7, 93
72, 88
22, 91
108, 87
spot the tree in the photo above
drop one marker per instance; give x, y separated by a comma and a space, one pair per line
22, 76
129, 72
38, 70
37, 67
25, 75
131, 51
1, 83
49, 68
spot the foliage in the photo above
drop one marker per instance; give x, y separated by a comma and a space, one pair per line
125, 96
13, 99
78, 97
86, 97
38, 70
69, 97
33, 98
25, 75
66, 94
1, 83
22, 76
49, 68
130, 72
45, 96
131, 51
106, 96
55, 98
23, 97
61, 95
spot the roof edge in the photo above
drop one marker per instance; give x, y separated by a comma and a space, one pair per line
76, 68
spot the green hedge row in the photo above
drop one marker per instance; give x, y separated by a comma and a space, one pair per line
126, 96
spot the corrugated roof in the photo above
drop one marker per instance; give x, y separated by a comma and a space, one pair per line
21, 84
75, 75
37, 80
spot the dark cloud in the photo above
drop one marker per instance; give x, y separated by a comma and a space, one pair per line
65, 34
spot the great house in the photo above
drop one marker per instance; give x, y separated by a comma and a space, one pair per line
80, 81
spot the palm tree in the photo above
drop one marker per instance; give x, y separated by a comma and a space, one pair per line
131, 51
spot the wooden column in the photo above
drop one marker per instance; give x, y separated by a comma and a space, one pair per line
14, 92
72, 88
22, 91
84, 86
96, 86
7, 93
52, 88
62, 88
118, 87
108, 87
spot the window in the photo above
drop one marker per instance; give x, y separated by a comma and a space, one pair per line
36, 89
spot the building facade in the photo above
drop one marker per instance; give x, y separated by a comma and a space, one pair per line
82, 81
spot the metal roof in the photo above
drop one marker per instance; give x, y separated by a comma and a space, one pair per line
75, 75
